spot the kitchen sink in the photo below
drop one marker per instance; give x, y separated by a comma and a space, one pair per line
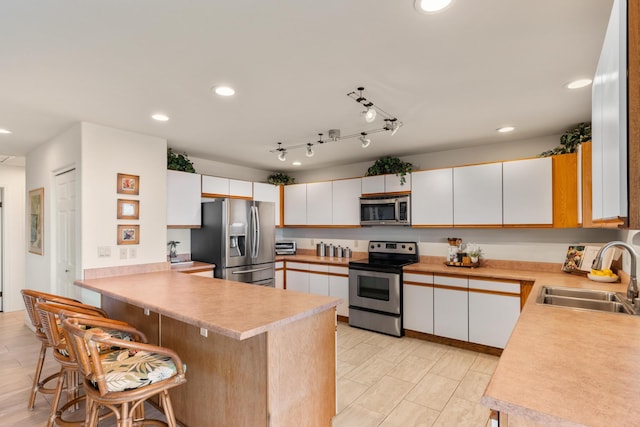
585, 299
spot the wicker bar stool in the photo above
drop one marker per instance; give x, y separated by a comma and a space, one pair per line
51, 315
30, 298
123, 379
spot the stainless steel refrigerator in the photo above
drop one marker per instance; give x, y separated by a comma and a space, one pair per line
238, 236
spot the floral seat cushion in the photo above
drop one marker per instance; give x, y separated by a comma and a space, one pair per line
125, 370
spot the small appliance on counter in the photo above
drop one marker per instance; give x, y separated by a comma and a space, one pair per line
285, 247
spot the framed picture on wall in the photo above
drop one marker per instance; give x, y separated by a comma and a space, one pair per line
128, 209
128, 234
36, 221
128, 184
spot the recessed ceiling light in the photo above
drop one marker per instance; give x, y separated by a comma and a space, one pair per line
5, 131
224, 90
577, 84
506, 129
160, 117
296, 163
431, 6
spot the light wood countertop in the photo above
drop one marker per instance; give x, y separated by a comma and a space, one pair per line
233, 309
561, 366
192, 267
566, 366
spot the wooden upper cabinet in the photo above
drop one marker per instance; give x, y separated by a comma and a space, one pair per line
527, 187
432, 198
477, 195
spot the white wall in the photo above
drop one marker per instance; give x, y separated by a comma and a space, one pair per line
62, 152
105, 153
211, 167
12, 182
496, 152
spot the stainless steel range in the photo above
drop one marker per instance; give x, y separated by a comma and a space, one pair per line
375, 286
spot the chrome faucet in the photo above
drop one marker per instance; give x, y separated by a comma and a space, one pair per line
632, 289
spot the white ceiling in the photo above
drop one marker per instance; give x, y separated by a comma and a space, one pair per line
452, 78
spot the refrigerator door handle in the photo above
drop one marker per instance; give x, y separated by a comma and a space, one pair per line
257, 231
250, 271
253, 231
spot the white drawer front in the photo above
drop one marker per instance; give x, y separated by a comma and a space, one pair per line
339, 270
459, 282
498, 286
324, 268
419, 278
298, 265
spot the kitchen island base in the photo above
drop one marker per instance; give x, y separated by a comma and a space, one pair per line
282, 377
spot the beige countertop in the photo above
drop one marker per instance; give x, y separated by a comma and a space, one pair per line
561, 366
192, 266
233, 309
566, 366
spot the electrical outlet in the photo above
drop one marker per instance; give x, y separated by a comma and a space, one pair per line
204, 332
123, 253
313, 243
133, 252
355, 243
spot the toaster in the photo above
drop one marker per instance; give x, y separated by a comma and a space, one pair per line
285, 247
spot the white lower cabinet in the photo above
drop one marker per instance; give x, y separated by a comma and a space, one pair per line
417, 309
298, 280
494, 308
279, 274
451, 307
318, 279
339, 288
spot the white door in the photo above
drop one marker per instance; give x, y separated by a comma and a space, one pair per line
65, 233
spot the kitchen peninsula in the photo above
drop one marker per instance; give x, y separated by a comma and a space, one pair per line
255, 356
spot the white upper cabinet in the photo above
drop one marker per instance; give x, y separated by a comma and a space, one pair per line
477, 195
432, 197
385, 184
609, 120
346, 201
295, 204
183, 199
242, 189
392, 183
319, 208
527, 187
268, 193
373, 184
215, 186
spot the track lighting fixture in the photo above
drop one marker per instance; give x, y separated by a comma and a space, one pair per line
369, 115
282, 152
365, 141
371, 112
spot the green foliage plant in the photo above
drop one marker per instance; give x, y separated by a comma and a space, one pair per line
179, 162
388, 164
570, 140
280, 178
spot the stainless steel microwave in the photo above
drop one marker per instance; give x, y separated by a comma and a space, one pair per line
385, 210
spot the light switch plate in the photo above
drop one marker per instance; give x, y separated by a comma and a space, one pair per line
123, 253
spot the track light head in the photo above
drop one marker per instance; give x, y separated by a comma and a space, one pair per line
310, 152
369, 114
283, 155
365, 141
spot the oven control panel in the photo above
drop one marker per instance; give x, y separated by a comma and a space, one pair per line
386, 247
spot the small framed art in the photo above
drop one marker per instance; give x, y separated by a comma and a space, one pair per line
128, 209
128, 234
128, 184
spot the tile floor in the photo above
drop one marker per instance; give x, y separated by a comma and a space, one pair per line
382, 381
401, 382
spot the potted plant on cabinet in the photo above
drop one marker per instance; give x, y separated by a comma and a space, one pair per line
388, 164
280, 178
570, 140
179, 162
